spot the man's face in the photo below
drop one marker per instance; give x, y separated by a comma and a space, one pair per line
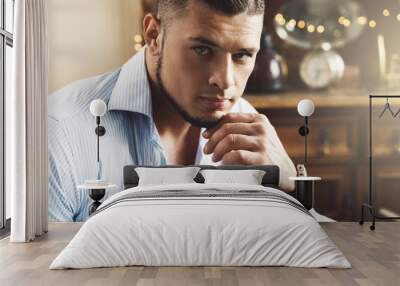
206, 60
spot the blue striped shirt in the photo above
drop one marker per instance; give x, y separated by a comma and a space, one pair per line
131, 135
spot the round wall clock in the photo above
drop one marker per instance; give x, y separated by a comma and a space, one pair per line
320, 68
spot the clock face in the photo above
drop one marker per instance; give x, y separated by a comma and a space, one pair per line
321, 68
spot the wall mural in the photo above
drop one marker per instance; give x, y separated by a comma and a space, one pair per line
183, 90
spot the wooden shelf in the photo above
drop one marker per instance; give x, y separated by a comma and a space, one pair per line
331, 98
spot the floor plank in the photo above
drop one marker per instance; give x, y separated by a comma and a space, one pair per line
375, 257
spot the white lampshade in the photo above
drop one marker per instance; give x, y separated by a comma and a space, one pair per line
98, 107
305, 107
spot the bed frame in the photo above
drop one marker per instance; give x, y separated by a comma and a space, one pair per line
270, 179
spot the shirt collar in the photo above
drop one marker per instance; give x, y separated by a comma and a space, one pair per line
132, 93
132, 89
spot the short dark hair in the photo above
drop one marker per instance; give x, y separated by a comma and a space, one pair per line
166, 8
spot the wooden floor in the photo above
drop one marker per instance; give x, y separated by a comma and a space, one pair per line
375, 257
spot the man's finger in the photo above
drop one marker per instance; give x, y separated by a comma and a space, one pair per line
232, 118
235, 142
241, 157
232, 128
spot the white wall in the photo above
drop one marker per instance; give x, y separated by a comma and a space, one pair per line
89, 37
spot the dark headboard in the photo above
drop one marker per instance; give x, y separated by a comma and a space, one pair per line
270, 179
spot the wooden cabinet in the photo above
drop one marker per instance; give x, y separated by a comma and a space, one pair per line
338, 150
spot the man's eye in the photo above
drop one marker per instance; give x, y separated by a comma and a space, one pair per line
242, 56
202, 51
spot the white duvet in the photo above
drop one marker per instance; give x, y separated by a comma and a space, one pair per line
207, 230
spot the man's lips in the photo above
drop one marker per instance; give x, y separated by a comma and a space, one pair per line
216, 103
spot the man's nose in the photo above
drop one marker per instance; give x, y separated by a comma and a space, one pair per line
223, 73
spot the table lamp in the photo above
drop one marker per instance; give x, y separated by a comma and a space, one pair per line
305, 184
305, 108
97, 188
98, 108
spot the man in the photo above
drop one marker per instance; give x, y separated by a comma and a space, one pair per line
178, 101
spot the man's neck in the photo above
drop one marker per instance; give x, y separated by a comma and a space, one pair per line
166, 118
168, 121
172, 128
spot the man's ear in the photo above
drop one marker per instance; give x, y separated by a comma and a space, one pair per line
152, 34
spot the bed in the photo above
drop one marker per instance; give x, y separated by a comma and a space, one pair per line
201, 224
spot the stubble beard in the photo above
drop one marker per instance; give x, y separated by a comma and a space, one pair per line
195, 121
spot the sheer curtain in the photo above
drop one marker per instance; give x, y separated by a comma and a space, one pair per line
26, 123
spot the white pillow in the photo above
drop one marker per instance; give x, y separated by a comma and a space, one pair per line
249, 177
163, 176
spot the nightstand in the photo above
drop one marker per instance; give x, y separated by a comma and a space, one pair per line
305, 190
304, 193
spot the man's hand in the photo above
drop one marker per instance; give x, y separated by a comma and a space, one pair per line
239, 138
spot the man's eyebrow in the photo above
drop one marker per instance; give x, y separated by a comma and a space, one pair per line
248, 50
206, 41
203, 41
